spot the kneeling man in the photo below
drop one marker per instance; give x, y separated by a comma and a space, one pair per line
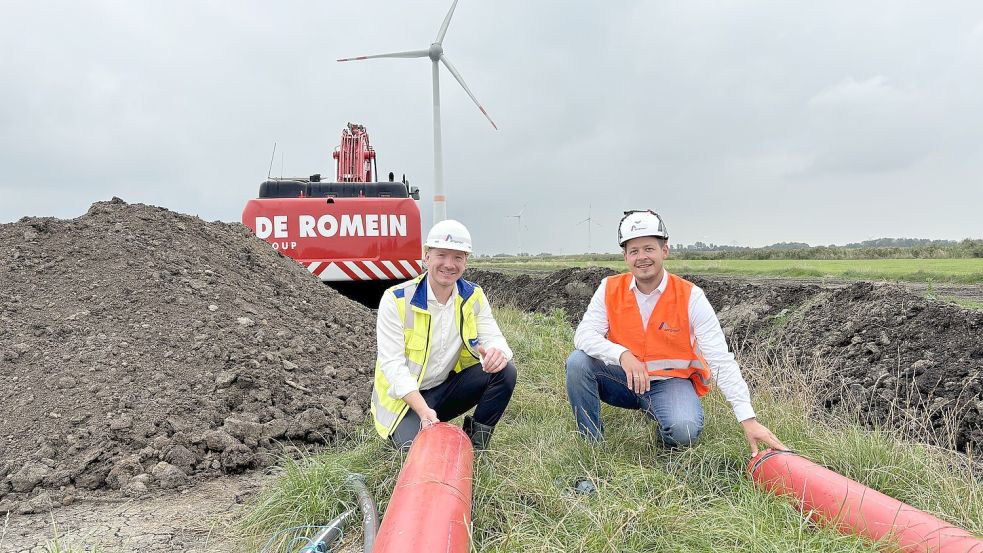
650, 340
440, 351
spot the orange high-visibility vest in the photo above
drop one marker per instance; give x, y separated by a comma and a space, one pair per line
665, 346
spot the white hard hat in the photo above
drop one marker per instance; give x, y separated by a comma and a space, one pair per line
449, 234
641, 223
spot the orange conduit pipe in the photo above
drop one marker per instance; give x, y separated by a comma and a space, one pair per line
854, 508
430, 508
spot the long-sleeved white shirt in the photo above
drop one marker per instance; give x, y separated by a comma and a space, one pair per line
445, 343
591, 338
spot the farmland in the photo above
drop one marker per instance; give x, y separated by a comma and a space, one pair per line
961, 271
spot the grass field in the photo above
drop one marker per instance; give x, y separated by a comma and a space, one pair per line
648, 499
963, 271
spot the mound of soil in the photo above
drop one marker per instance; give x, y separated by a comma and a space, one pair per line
568, 289
142, 348
912, 362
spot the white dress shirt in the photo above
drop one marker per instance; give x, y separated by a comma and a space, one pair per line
445, 342
591, 338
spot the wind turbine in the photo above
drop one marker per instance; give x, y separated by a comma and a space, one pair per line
436, 54
518, 217
589, 222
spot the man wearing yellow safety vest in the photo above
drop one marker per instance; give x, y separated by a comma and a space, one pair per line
440, 351
650, 340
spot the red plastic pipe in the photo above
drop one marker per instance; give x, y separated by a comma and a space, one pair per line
430, 509
829, 497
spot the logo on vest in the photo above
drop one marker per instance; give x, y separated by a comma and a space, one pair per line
665, 327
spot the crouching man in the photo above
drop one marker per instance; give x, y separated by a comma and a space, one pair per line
650, 340
440, 351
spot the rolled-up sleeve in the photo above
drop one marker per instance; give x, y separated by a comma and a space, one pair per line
392, 350
591, 336
711, 342
489, 335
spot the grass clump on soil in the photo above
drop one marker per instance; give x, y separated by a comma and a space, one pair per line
961, 302
648, 499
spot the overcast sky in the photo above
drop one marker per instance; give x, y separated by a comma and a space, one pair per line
740, 122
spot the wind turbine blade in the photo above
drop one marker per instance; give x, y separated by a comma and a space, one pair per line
445, 24
582, 222
410, 54
447, 64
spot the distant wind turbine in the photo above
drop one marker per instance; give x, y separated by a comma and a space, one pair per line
436, 53
518, 217
589, 222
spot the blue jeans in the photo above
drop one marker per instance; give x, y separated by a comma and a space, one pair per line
672, 402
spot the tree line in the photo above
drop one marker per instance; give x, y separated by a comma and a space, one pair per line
882, 248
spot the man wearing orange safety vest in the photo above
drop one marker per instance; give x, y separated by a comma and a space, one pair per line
650, 340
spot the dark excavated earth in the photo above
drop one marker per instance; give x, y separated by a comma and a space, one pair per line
143, 349
910, 363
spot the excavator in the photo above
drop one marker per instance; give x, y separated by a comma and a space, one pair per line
356, 234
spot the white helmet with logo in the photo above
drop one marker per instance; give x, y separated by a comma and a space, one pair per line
449, 234
641, 223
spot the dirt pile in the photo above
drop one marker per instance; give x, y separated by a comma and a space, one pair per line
569, 289
142, 348
912, 362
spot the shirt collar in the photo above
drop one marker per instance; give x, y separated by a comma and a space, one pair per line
432, 298
660, 288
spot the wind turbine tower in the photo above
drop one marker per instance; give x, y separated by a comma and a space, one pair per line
589, 222
436, 54
518, 218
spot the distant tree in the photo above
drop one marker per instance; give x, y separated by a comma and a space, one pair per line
787, 246
900, 243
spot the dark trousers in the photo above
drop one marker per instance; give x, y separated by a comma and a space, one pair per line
489, 393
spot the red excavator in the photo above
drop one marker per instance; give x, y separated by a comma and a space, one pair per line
354, 230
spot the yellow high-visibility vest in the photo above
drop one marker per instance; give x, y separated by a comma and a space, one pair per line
387, 411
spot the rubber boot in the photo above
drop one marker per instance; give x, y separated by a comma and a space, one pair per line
480, 434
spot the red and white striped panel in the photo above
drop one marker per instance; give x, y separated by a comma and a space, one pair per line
385, 269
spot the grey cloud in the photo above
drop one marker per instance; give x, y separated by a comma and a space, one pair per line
753, 123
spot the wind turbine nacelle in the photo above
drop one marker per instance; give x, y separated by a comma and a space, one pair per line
436, 50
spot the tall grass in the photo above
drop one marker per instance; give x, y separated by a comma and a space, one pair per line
648, 499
